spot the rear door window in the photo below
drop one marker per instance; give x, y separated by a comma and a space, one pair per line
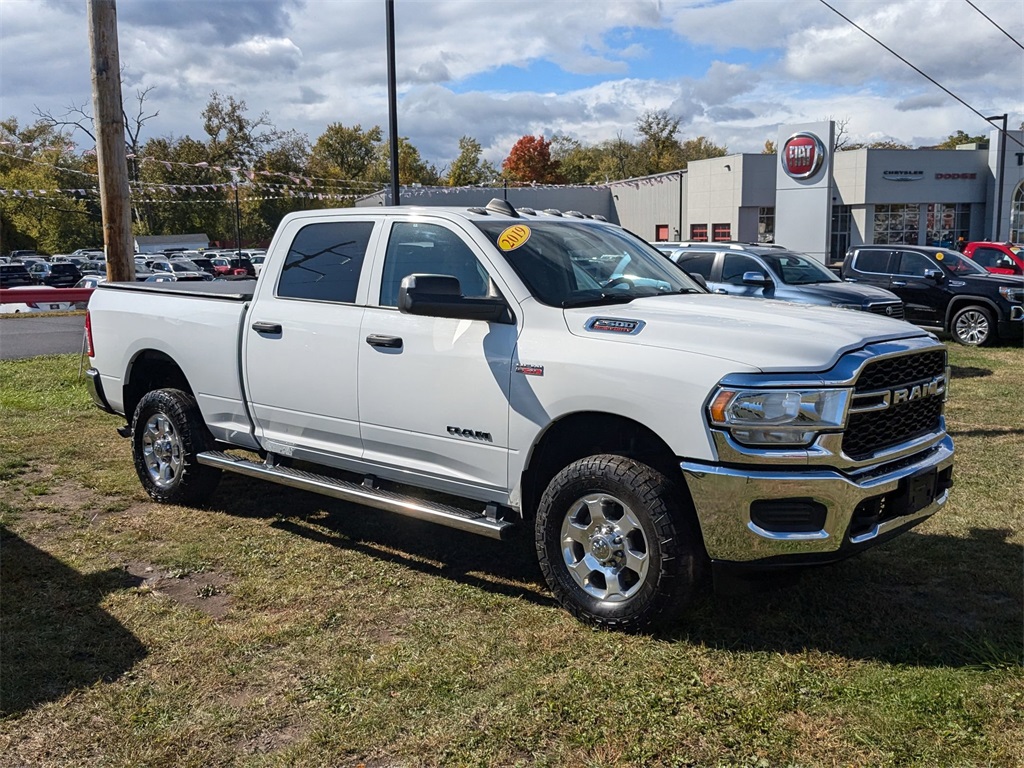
324, 261
875, 262
698, 263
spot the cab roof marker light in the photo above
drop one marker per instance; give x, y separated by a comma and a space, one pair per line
575, 214
552, 212
502, 207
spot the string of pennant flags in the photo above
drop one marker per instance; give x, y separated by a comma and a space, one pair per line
308, 183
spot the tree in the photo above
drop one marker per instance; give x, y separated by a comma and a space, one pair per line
468, 168
701, 148
954, 140
234, 138
37, 166
412, 169
658, 144
577, 164
530, 161
345, 153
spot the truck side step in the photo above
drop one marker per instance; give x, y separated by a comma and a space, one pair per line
453, 517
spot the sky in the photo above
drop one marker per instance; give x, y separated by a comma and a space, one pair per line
495, 70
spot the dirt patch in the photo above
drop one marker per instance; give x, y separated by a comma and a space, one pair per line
206, 591
273, 740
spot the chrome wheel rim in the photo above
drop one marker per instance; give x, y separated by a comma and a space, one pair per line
162, 450
972, 327
604, 547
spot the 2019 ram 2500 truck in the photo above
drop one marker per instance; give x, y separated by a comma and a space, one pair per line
535, 368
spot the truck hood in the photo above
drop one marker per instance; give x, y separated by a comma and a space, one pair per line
765, 334
844, 293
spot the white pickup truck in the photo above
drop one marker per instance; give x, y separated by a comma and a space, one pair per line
534, 368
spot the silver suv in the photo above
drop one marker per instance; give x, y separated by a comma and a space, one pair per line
769, 271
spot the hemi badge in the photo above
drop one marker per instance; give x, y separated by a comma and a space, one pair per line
612, 325
530, 370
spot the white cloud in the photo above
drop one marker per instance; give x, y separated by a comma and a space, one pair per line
734, 70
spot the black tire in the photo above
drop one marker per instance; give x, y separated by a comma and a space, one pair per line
167, 433
619, 544
973, 326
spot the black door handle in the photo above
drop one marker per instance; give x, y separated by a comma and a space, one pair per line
261, 327
377, 340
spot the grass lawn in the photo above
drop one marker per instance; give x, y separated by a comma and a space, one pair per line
281, 628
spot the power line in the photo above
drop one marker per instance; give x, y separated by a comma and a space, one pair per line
1012, 38
923, 74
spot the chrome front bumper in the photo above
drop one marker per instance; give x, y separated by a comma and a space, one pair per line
723, 497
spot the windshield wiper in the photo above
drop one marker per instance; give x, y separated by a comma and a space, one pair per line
604, 298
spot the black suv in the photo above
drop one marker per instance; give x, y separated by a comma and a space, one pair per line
943, 289
14, 275
59, 275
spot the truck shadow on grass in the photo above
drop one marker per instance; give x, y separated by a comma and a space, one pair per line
56, 638
922, 599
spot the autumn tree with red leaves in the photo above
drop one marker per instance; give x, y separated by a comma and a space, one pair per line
530, 161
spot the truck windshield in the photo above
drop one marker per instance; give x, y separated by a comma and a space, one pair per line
578, 263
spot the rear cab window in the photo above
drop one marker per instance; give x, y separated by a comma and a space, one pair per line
324, 261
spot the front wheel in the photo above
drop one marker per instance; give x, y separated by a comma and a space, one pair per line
618, 544
973, 326
167, 433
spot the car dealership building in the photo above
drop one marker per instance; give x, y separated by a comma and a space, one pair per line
804, 197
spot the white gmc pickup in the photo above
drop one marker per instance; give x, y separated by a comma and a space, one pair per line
534, 367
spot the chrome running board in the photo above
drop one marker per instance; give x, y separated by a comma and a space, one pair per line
431, 511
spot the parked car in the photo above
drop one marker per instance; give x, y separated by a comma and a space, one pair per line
204, 264
56, 305
95, 267
59, 275
943, 289
233, 266
999, 258
179, 268
14, 275
772, 272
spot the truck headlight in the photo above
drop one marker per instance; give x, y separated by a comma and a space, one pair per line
847, 306
1011, 293
781, 417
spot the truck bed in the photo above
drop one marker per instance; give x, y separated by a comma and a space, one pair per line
226, 290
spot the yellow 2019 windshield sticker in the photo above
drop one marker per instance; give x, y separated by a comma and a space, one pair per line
514, 237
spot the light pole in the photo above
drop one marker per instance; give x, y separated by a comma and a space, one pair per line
1000, 160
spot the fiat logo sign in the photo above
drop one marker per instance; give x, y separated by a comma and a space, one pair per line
802, 155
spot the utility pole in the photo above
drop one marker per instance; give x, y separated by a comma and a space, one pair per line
115, 196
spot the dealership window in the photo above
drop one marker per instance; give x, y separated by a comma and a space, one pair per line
699, 232
721, 232
896, 223
660, 233
766, 225
1017, 215
949, 224
842, 224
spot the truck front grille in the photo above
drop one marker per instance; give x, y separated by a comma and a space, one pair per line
889, 309
902, 420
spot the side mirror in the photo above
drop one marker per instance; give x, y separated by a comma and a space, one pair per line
698, 278
934, 274
441, 296
757, 278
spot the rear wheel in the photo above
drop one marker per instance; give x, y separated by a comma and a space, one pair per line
167, 433
618, 544
973, 326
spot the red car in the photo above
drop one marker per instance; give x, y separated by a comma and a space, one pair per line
1000, 258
